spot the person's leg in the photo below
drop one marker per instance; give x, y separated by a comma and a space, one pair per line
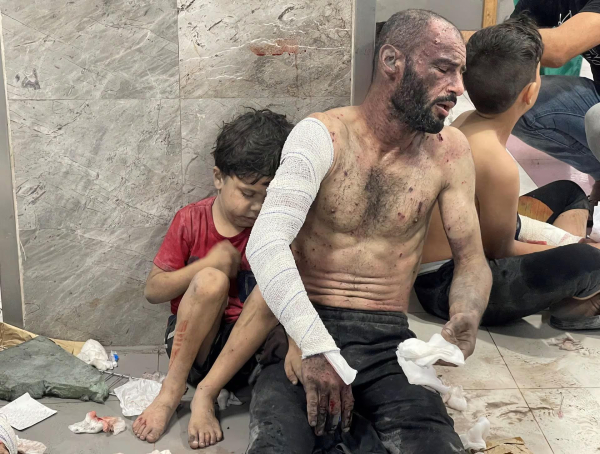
567, 203
525, 285
408, 419
248, 334
278, 420
592, 129
198, 320
556, 123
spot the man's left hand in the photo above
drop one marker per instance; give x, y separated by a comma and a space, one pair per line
461, 330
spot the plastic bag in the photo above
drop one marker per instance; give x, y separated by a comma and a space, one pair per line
137, 395
93, 353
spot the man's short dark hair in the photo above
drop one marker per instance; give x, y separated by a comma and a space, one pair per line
249, 146
501, 61
405, 30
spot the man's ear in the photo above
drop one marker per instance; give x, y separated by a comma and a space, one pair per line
392, 60
218, 178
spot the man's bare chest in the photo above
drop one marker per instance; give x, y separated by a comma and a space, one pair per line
379, 200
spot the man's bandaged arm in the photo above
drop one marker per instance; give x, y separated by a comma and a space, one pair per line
305, 160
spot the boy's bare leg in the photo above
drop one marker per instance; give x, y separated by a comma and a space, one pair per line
574, 222
198, 320
248, 334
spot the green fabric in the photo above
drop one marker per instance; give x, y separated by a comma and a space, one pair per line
572, 68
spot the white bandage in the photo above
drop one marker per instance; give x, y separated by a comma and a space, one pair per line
305, 160
535, 231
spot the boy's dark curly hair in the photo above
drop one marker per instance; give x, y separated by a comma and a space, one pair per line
249, 146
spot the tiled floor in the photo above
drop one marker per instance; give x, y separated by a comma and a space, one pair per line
515, 378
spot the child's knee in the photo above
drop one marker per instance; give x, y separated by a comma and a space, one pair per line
210, 283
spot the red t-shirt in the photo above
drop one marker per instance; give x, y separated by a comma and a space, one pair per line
189, 238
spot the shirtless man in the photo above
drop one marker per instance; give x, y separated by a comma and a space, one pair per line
354, 192
503, 82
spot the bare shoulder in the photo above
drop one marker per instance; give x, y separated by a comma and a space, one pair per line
453, 143
335, 120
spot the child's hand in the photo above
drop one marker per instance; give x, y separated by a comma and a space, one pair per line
293, 362
223, 256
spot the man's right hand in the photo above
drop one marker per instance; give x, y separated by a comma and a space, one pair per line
225, 257
327, 396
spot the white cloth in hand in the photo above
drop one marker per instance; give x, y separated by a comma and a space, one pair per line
475, 437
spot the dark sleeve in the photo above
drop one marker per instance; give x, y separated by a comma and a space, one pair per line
175, 249
592, 6
536, 10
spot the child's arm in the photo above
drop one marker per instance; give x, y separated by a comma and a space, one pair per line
163, 286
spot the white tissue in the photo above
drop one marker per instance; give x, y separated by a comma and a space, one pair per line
416, 358
475, 437
93, 424
93, 353
137, 395
227, 398
30, 447
25, 412
428, 353
595, 235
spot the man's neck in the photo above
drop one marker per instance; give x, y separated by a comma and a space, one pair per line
392, 134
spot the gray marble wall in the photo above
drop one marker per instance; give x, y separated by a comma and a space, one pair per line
115, 106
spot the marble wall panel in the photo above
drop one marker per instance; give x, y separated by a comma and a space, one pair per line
85, 49
201, 120
251, 48
96, 164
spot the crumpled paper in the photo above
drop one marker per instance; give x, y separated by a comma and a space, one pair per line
30, 447
93, 353
93, 424
25, 412
417, 358
475, 437
227, 398
137, 395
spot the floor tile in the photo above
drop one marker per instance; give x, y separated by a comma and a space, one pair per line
535, 364
508, 414
485, 369
135, 361
578, 431
54, 432
234, 422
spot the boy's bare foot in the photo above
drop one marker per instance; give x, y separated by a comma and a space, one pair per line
204, 429
151, 424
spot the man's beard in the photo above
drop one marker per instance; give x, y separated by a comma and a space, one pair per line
412, 106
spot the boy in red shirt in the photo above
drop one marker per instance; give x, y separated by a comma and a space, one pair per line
201, 268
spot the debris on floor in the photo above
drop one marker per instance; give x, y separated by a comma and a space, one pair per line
226, 399
11, 336
475, 437
137, 395
510, 446
156, 376
93, 353
568, 343
40, 367
25, 412
7, 435
30, 447
417, 358
93, 424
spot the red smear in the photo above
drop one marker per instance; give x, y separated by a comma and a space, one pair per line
543, 243
331, 406
280, 47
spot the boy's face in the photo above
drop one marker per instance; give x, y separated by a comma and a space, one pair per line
241, 200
